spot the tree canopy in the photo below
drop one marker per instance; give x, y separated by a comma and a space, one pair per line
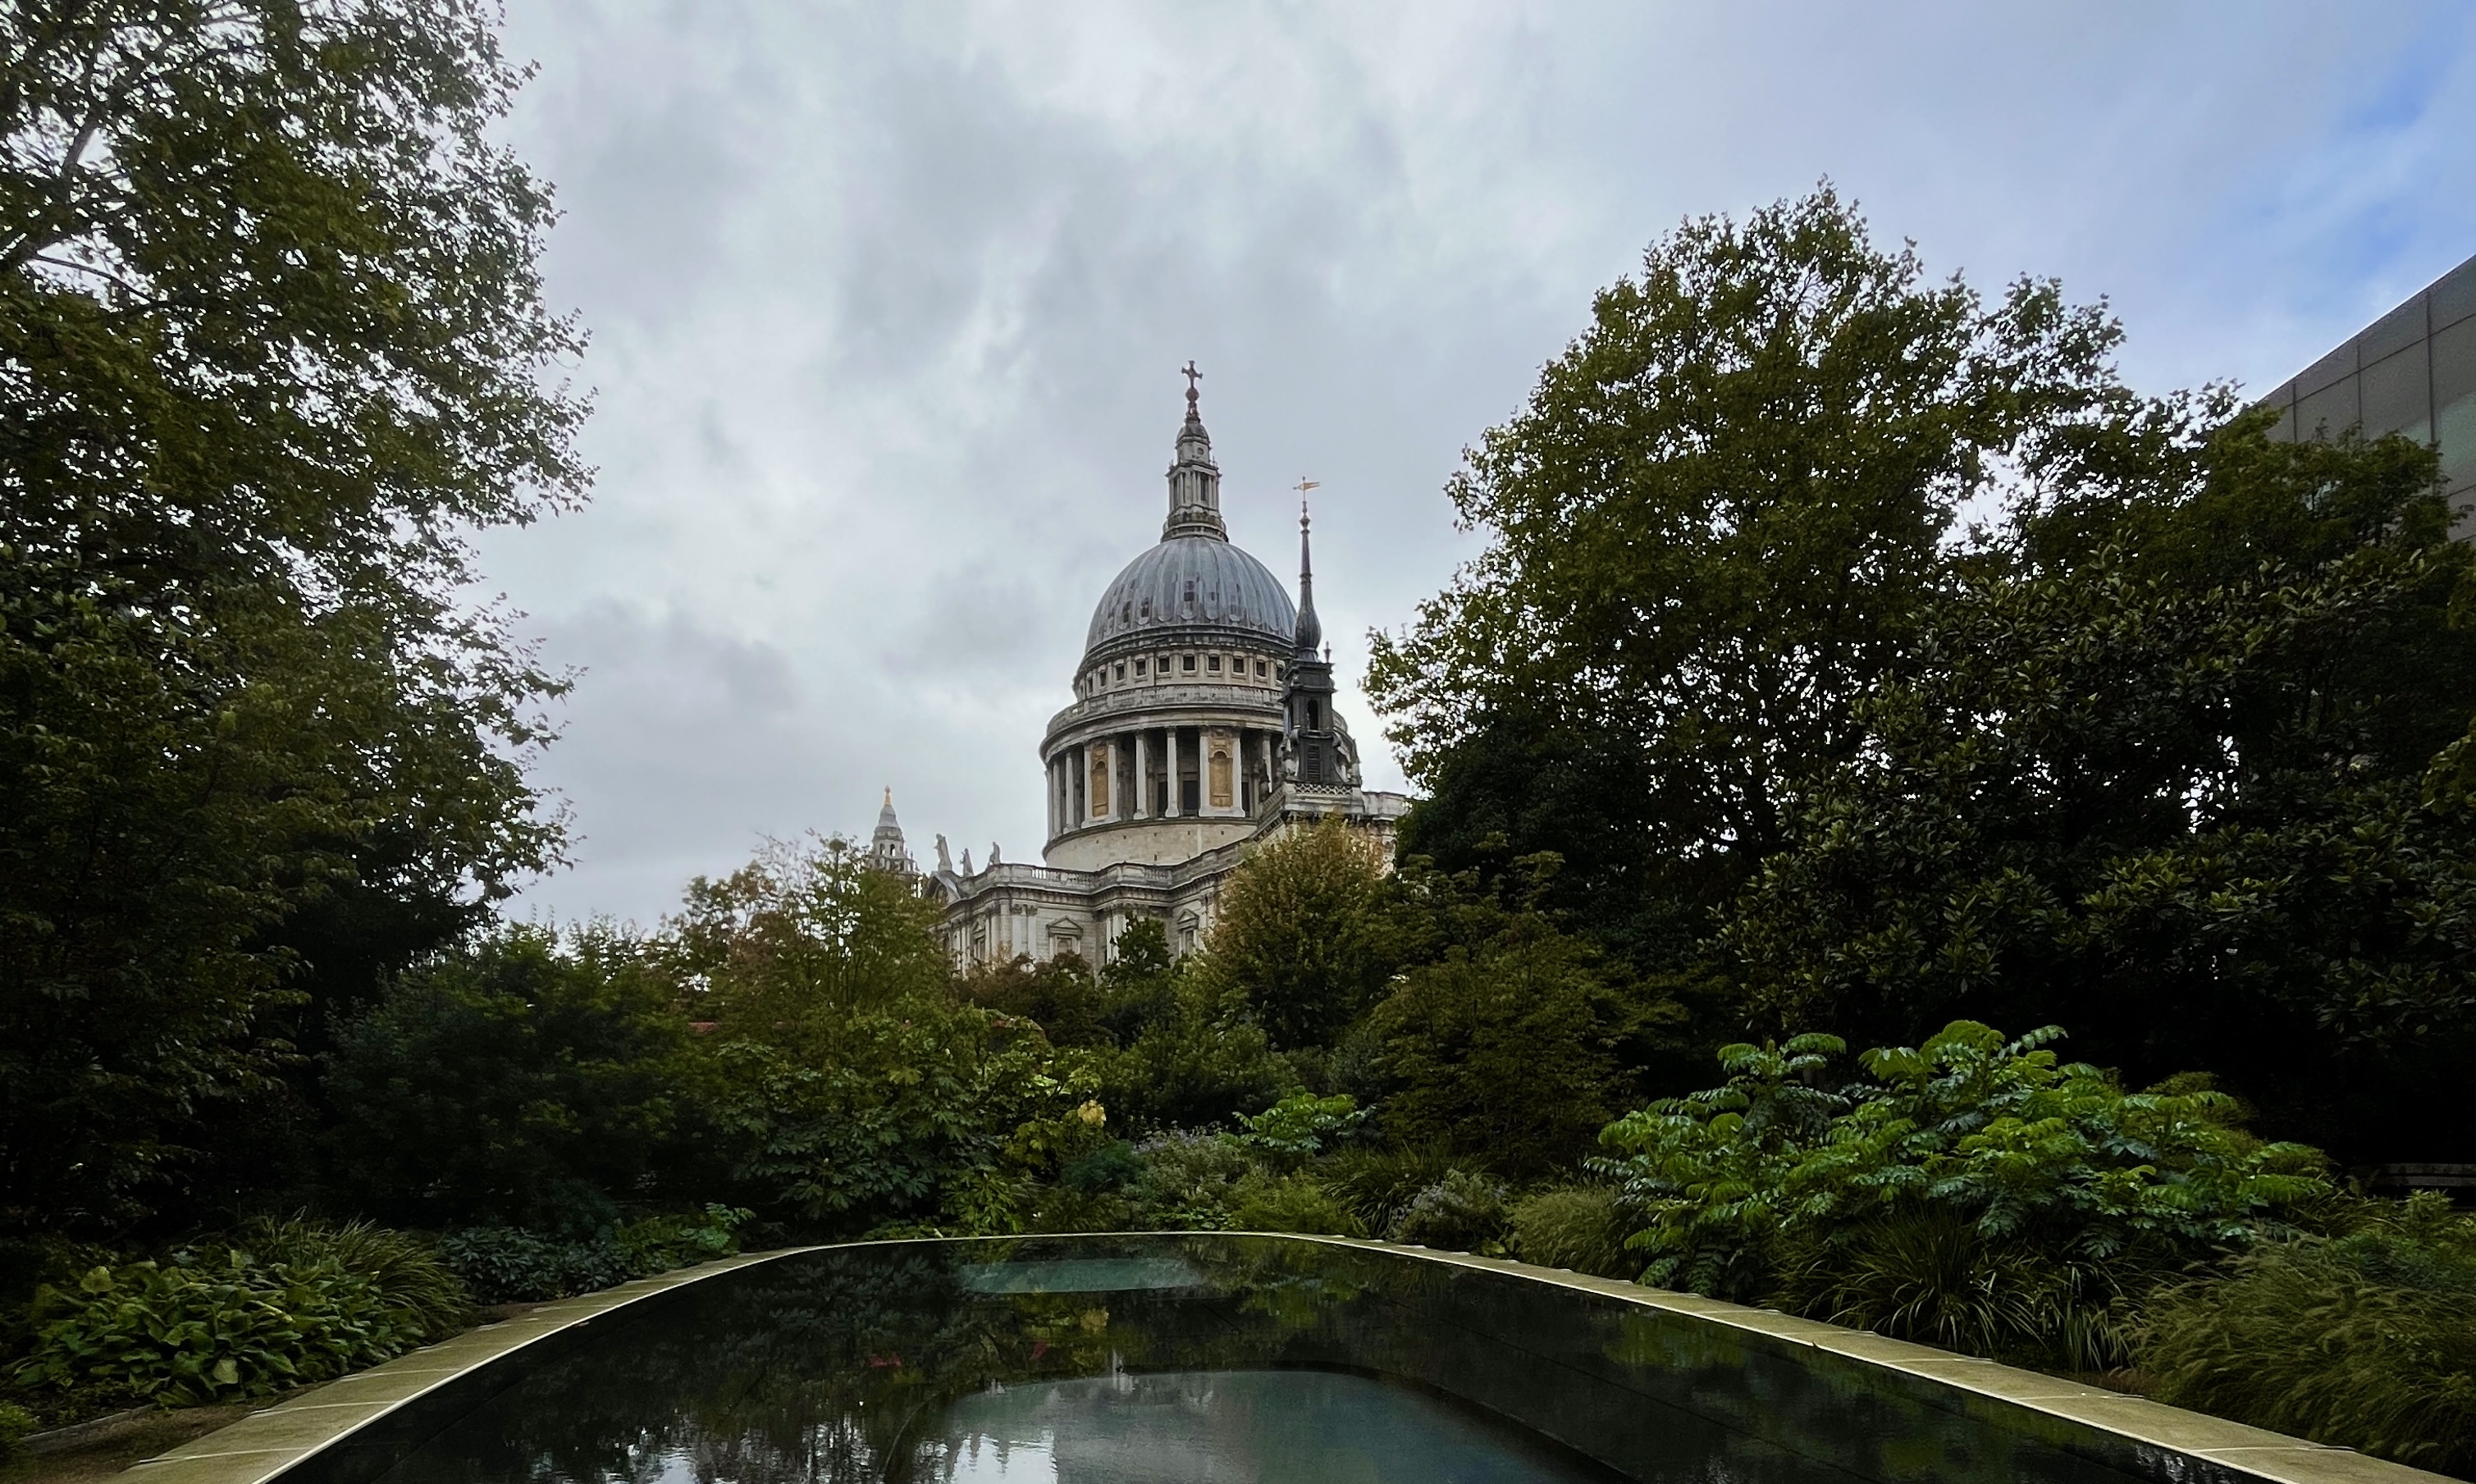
1707, 533
271, 341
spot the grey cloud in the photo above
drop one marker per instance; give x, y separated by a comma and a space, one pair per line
888, 302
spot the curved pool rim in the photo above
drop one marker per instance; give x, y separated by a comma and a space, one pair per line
261, 1447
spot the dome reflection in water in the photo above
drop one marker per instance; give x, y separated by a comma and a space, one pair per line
1306, 1426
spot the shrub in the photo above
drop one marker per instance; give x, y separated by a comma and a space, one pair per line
1297, 1201
206, 1328
509, 1265
1378, 1185
1198, 1061
1931, 1275
1923, 1197
657, 1244
1302, 1126
405, 1269
1505, 1055
1109, 1168
1191, 1180
16, 1424
1573, 1226
1463, 1212
2365, 1341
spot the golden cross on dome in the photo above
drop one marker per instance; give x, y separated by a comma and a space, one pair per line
1192, 376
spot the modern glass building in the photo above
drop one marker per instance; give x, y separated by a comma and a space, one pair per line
2413, 372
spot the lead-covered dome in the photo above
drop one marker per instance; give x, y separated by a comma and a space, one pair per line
1189, 582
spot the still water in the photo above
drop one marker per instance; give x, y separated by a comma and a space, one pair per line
1252, 1360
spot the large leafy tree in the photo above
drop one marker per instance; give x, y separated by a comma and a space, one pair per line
2161, 777
271, 338
1305, 933
520, 1079
1708, 532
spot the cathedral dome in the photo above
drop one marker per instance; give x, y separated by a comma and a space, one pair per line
1191, 582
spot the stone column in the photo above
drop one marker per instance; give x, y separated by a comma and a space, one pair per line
1265, 740
1078, 792
1117, 791
1143, 783
1171, 751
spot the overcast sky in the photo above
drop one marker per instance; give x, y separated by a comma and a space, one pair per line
887, 301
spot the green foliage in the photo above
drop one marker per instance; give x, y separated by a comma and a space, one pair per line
1934, 1276
270, 338
507, 1265
2365, 1341
1506, 1053
1296, 1202
1378, 1182
1573, 1226
218, 1324
1303, 934
1916, 1196
1464, 1212
1302, 1126
1058, 994
2172, 796
1198, 1058
521, 1079
1195, 1182
17, 1423
783, 949
1708, 533
406, 1270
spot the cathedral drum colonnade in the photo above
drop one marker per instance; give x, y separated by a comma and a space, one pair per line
1203, 721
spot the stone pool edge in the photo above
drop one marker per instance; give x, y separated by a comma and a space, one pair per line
265, 1443
2254, 1450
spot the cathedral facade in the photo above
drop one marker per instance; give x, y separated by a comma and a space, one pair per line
1202, 724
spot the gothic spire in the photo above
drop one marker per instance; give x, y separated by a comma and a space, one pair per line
1310, 630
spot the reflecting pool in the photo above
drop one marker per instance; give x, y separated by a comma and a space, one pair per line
1097, 1360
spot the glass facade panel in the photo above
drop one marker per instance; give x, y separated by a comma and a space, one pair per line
2397, 395
2391, 334
2454, 387
2328, 413
2454, 298
2328, 369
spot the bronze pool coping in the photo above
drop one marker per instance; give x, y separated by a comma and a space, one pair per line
264, 1443
2270, 1455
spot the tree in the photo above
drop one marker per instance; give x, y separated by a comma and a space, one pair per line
788, 948
2167, 794
271, 338
851, 1085
1303, 934
1708, 533
1506, 1056
521, 1079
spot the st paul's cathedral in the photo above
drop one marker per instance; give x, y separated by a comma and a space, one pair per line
1202, 723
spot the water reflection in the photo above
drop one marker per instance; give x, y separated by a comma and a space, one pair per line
1193, 1426
1185, 1357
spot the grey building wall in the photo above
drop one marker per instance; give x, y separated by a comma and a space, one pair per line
2413, 372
